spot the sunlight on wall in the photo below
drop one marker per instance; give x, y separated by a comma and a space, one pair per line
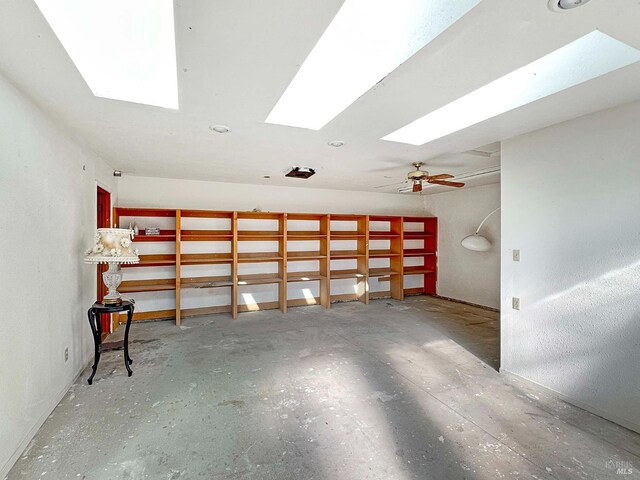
609, 288
308, 296
251, 303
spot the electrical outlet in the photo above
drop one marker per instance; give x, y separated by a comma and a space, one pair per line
66, 354
516, 255
515, 303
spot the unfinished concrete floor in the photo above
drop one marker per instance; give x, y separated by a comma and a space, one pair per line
392, 390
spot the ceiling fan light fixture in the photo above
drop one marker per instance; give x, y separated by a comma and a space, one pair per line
564, 5
219, 128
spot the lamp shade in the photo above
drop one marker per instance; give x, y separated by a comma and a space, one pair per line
112, 245
476, 242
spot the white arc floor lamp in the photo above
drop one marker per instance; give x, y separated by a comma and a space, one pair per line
476, 242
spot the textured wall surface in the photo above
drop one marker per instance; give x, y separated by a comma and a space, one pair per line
171, 193
462, 274
571, 204
47, 193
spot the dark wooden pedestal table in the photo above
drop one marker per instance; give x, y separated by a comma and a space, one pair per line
94, 321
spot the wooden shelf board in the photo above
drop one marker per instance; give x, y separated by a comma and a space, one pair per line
419, 270
144, 212
418, 219
258, 257
343, 297
297, 256
305, 235
194, 312
258, 279
346, 254
205, 258
345, 217
302, 302
384, 294
152, 285
304, 276
383, 235
414, 291
154, 238
260, 215
382, 254
338, 274
258, 235
150, 315
152, 261
382, 272
164, 236
417, 235
206, 282
205, 214
345, 235
205, 235
417, 252
305, 216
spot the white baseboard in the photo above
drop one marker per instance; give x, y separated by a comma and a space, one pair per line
596, 411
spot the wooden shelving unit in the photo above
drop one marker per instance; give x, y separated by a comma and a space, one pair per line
420, 247
218, 256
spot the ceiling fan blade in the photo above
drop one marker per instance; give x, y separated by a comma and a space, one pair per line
417, 186
446, 184
442, 176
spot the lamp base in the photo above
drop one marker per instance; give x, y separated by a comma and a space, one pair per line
112, 279
111, 301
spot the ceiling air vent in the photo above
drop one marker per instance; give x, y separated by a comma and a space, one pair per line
300, 172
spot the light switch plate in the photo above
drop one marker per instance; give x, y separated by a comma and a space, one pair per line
516, 255
515, 303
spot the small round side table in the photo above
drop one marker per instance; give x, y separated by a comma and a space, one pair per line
94, 321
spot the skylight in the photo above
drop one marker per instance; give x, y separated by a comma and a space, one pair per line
587, 58
124, 49
366, 41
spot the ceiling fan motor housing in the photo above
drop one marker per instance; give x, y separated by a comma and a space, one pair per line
300, 172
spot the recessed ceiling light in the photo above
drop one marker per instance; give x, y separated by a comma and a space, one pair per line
219, 128
363, 43
124, 50
336, 143
564, 5
587, 58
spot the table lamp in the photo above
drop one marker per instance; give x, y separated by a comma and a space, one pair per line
115, 247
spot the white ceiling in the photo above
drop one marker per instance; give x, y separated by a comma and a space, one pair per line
235, 59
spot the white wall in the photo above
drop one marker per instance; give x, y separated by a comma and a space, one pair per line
47, 220
170, 193
462, 274
571, 203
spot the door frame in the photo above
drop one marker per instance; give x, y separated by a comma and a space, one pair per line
103, 220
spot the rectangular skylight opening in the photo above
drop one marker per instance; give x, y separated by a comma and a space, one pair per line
366, 40
589, 57
125, 50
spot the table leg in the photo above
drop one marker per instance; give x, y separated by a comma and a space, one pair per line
127, 358
96, 328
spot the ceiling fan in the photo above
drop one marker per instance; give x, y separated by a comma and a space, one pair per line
418, 176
